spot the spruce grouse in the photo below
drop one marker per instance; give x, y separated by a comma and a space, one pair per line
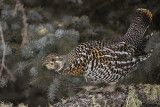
107, 60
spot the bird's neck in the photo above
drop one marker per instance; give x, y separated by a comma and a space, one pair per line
62, 63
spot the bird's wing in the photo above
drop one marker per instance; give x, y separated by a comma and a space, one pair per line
110, 63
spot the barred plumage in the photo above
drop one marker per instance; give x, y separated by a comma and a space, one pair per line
106, 61
137, 29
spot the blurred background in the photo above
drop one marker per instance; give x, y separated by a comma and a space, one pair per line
34, 28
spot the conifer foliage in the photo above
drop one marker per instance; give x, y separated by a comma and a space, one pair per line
30, 34
59, 36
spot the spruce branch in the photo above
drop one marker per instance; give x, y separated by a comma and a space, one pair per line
20, 7
3, 82
17, 70
52, 89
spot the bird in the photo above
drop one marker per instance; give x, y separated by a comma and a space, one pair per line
107, 60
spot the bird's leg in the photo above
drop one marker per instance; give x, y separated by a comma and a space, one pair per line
90, 87
110, 88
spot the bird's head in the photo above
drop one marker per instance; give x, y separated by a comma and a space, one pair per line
53, 62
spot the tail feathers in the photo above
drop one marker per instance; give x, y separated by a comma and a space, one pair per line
143, 58
140, 23
141, 20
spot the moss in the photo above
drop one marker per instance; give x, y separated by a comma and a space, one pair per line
42, 30
2, 104
113, 105
152, 92
132, 99
22, 105
95, 104
158, 90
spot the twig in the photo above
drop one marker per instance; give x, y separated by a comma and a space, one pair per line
10, 73
4, 50
1, 1
102, 5
19, 7
13, 73
3, 66
157, 78
33, 81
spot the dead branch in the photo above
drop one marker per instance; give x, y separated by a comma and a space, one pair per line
135, 95
10, 73
4, 50
1, 1
100, 6
3, 66
20, 7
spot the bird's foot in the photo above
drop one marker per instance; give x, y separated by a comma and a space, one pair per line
92, 89
110, 88
88, 88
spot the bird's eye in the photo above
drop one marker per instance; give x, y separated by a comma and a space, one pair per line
52, 60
